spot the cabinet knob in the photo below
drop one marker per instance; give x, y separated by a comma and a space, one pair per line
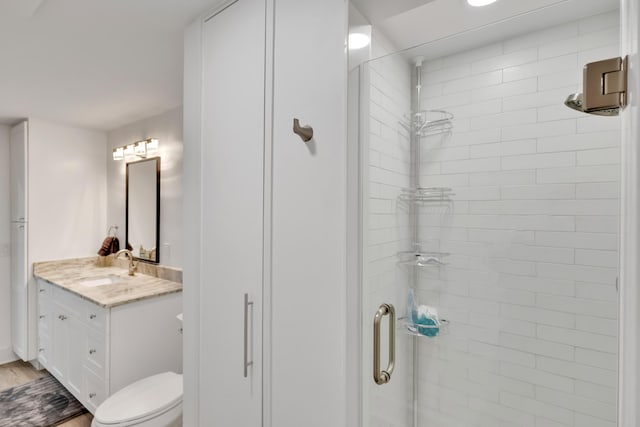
92, 316
62, 317
92, 395
41, 350
92, 351
41, 290
42, 316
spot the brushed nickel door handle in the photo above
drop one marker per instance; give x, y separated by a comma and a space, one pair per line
383, 377
247, 363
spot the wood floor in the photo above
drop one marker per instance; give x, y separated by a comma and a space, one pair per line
18, 373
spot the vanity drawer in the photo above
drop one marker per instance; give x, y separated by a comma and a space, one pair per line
44, 291
44, 349
44, 314
95, 391
73, 303
96, 353
94, 316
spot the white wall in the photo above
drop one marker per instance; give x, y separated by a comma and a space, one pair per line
167, 128
6, 354
530, 290
67, 194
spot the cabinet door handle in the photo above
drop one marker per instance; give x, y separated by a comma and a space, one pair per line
92, 351
383, 377
41, 290
62, 317
247, 363
42, 316
92, 395
92, 316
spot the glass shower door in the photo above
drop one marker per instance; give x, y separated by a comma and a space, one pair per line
490, 224
387, 368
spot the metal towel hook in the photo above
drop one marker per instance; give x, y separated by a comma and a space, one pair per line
305, 132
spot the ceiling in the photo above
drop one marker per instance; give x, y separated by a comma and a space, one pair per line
98, 64
426, 21
101, 64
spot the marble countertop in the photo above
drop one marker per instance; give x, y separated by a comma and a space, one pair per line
68, 274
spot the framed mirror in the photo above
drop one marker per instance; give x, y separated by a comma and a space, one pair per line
143, 209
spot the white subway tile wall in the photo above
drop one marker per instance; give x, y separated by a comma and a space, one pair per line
531, 286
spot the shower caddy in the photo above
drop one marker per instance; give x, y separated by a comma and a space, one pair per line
423, 125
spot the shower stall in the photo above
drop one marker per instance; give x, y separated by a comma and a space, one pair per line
489, 233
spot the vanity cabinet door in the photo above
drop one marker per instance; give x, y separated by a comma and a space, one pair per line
60, 342
77, 338
68, 342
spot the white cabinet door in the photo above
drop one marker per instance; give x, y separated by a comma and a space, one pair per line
77, 344
232, 211
19, 291
68, 344
19, 172
309, 215
59, 343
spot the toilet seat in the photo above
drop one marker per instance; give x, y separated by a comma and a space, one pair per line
141, 401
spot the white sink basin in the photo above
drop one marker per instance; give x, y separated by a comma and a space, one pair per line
102, 281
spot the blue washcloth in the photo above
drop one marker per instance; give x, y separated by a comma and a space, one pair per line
427, 316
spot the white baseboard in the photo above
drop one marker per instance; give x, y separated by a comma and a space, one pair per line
7, 355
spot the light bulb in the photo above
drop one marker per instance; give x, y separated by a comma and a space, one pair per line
358, 41
152, 146
478, 3
118, 153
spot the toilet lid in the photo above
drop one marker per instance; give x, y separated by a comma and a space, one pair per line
141, 399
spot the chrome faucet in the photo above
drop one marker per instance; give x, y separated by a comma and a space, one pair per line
132, 265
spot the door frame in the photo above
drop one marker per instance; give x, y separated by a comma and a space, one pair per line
629, 295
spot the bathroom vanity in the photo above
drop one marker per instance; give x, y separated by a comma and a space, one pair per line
100, 329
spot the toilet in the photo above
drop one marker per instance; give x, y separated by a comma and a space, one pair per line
154, 401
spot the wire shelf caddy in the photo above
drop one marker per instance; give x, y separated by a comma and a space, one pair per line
422, 259
427, 123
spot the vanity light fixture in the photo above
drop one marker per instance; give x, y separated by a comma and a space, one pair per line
141, 149
152, 146
118, 153
129, 152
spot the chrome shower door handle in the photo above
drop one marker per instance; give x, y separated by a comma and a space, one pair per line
247, 363
383, 377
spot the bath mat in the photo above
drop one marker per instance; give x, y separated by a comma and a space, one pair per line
40, 403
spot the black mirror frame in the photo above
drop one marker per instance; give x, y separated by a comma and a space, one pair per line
157, 160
